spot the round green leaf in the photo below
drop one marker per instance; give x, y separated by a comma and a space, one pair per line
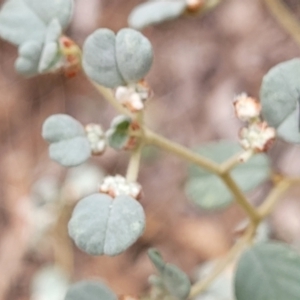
280, 98
114, 61
47, 10
61, 127
29, 57
268, 271
99, 58
134, 54
174, 280
27, 20
70, 153
102, 225
36, 57
208, 191
90, 290
69, 145
155, 12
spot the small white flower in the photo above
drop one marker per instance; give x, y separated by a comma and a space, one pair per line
246, 108
118, 185
133, 96
96, 137
258, 137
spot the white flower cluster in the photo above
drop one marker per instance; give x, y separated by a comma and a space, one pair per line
257, 136
246, 108
96, 137
118, 185
133, 96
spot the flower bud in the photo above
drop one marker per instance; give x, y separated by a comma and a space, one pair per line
118, 185
258, 137
246, 108
193, 6
133, 96
96, 137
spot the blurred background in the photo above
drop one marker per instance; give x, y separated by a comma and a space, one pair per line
200, 64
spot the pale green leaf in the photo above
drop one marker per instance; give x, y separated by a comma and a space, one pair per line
208, 191
118, 60
102, 225
99, 58
71, 152
268, 271
280, 98
134, 54
90, 290
175, 281
27, 20
69, 145
155, 12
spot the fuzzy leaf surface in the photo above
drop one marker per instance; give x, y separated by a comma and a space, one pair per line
102, 225
155, 12
280, 98
68, 144
268, 271
208, 191
114, 60
27, 20
90, 290
174, 280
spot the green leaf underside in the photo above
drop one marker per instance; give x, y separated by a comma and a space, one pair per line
34, 17
208, 191
68, 143
174, 280
102, 225
118, 134
114, 60
90, 290
155, 12
280, 96
268, 271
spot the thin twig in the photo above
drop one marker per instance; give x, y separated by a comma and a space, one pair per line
177, 149
108, 95
267, 206
241, 198
134, 164
285, 18
202, 285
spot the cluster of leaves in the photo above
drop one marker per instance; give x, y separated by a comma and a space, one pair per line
109, 223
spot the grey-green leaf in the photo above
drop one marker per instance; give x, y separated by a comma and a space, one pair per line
28, 60
15, 13
61, 127
90, 290
27, 20
69, 145
134, 54
118, 60
102, 225
47, 10
70, 153
269, 271
208, 191
174, 280
280, 98
155, 12
99, 58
